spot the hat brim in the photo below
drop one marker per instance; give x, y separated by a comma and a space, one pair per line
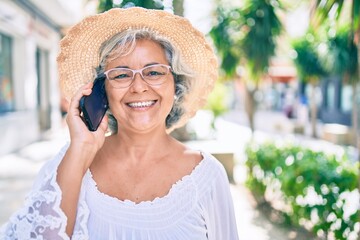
79, 50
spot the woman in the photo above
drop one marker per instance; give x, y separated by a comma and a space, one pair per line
136, 182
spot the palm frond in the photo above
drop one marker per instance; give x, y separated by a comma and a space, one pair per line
226, 45
342, 58
356, 15
323, 8
259, 42
307, 61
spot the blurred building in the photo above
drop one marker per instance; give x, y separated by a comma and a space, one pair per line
30, 31
336, 104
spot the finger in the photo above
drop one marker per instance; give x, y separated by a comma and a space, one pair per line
83, 91
104, 124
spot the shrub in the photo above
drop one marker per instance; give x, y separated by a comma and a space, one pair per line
315, 190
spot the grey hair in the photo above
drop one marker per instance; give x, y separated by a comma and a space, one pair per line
123, 43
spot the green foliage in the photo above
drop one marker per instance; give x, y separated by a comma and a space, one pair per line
105, 5
216, 100
150, 4
348, 46
342, 57
339, 54
313, 185
226, 41
247, 35
307, 60
259, 42
324, 7
356, 14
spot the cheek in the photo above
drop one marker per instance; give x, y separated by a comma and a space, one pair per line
170, 100
171, 87
113, 95
168, 93
109, 93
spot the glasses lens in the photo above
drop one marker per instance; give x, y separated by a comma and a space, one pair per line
123, 77
155, 74
120, 77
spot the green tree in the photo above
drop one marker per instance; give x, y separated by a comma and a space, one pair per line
105, 5
310, 70
247, 36
322, 11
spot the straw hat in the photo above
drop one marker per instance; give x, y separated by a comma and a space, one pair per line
79, 50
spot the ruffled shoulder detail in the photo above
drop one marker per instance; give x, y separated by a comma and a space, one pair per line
41, 216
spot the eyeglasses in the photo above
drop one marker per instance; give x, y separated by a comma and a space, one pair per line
152, 75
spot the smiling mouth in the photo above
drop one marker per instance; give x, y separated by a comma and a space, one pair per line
141, 104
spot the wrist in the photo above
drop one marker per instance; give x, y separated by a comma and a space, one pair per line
83, 148
79, 157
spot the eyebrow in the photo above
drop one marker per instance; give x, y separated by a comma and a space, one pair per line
149, 64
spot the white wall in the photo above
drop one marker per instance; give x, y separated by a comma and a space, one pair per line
28, 33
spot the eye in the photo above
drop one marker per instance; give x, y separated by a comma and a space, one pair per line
154, 73
120, 74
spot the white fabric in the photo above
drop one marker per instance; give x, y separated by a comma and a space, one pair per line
199, 206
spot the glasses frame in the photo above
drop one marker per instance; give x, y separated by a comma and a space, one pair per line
140, 71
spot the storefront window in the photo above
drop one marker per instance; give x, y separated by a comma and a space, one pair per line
6, 88
346, 98
330, 101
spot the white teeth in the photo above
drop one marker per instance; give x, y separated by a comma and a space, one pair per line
141, 104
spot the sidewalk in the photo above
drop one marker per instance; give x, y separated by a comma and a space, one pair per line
18, 170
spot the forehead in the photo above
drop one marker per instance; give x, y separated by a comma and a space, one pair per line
145, 44
142, 53
125, 46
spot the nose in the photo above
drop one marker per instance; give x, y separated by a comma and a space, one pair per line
138, 84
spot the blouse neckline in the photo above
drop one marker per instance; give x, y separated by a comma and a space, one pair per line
172, 193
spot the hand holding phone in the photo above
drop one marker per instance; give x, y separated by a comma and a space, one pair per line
94, 106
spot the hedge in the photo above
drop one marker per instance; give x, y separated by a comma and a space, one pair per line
312, 189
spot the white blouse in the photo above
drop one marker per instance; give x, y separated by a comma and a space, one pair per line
199, 206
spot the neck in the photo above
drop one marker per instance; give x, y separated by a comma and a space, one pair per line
140, 147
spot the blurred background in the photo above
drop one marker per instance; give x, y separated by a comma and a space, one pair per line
283, 117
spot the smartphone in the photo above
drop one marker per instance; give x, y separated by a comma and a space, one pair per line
94, 106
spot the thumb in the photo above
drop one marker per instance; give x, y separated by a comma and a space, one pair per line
104, 124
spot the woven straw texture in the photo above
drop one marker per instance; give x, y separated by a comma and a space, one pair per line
79, 50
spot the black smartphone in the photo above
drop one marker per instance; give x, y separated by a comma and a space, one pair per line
94, 106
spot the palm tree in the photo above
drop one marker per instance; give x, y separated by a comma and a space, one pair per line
320, 14
310, 70
247, 37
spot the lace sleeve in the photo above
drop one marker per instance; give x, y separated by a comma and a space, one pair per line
41, 216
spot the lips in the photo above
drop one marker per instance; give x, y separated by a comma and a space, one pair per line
141, 104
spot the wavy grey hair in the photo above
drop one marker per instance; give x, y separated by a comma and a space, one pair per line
124, 43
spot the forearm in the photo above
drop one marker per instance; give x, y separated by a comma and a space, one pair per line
81, 152
69, 178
